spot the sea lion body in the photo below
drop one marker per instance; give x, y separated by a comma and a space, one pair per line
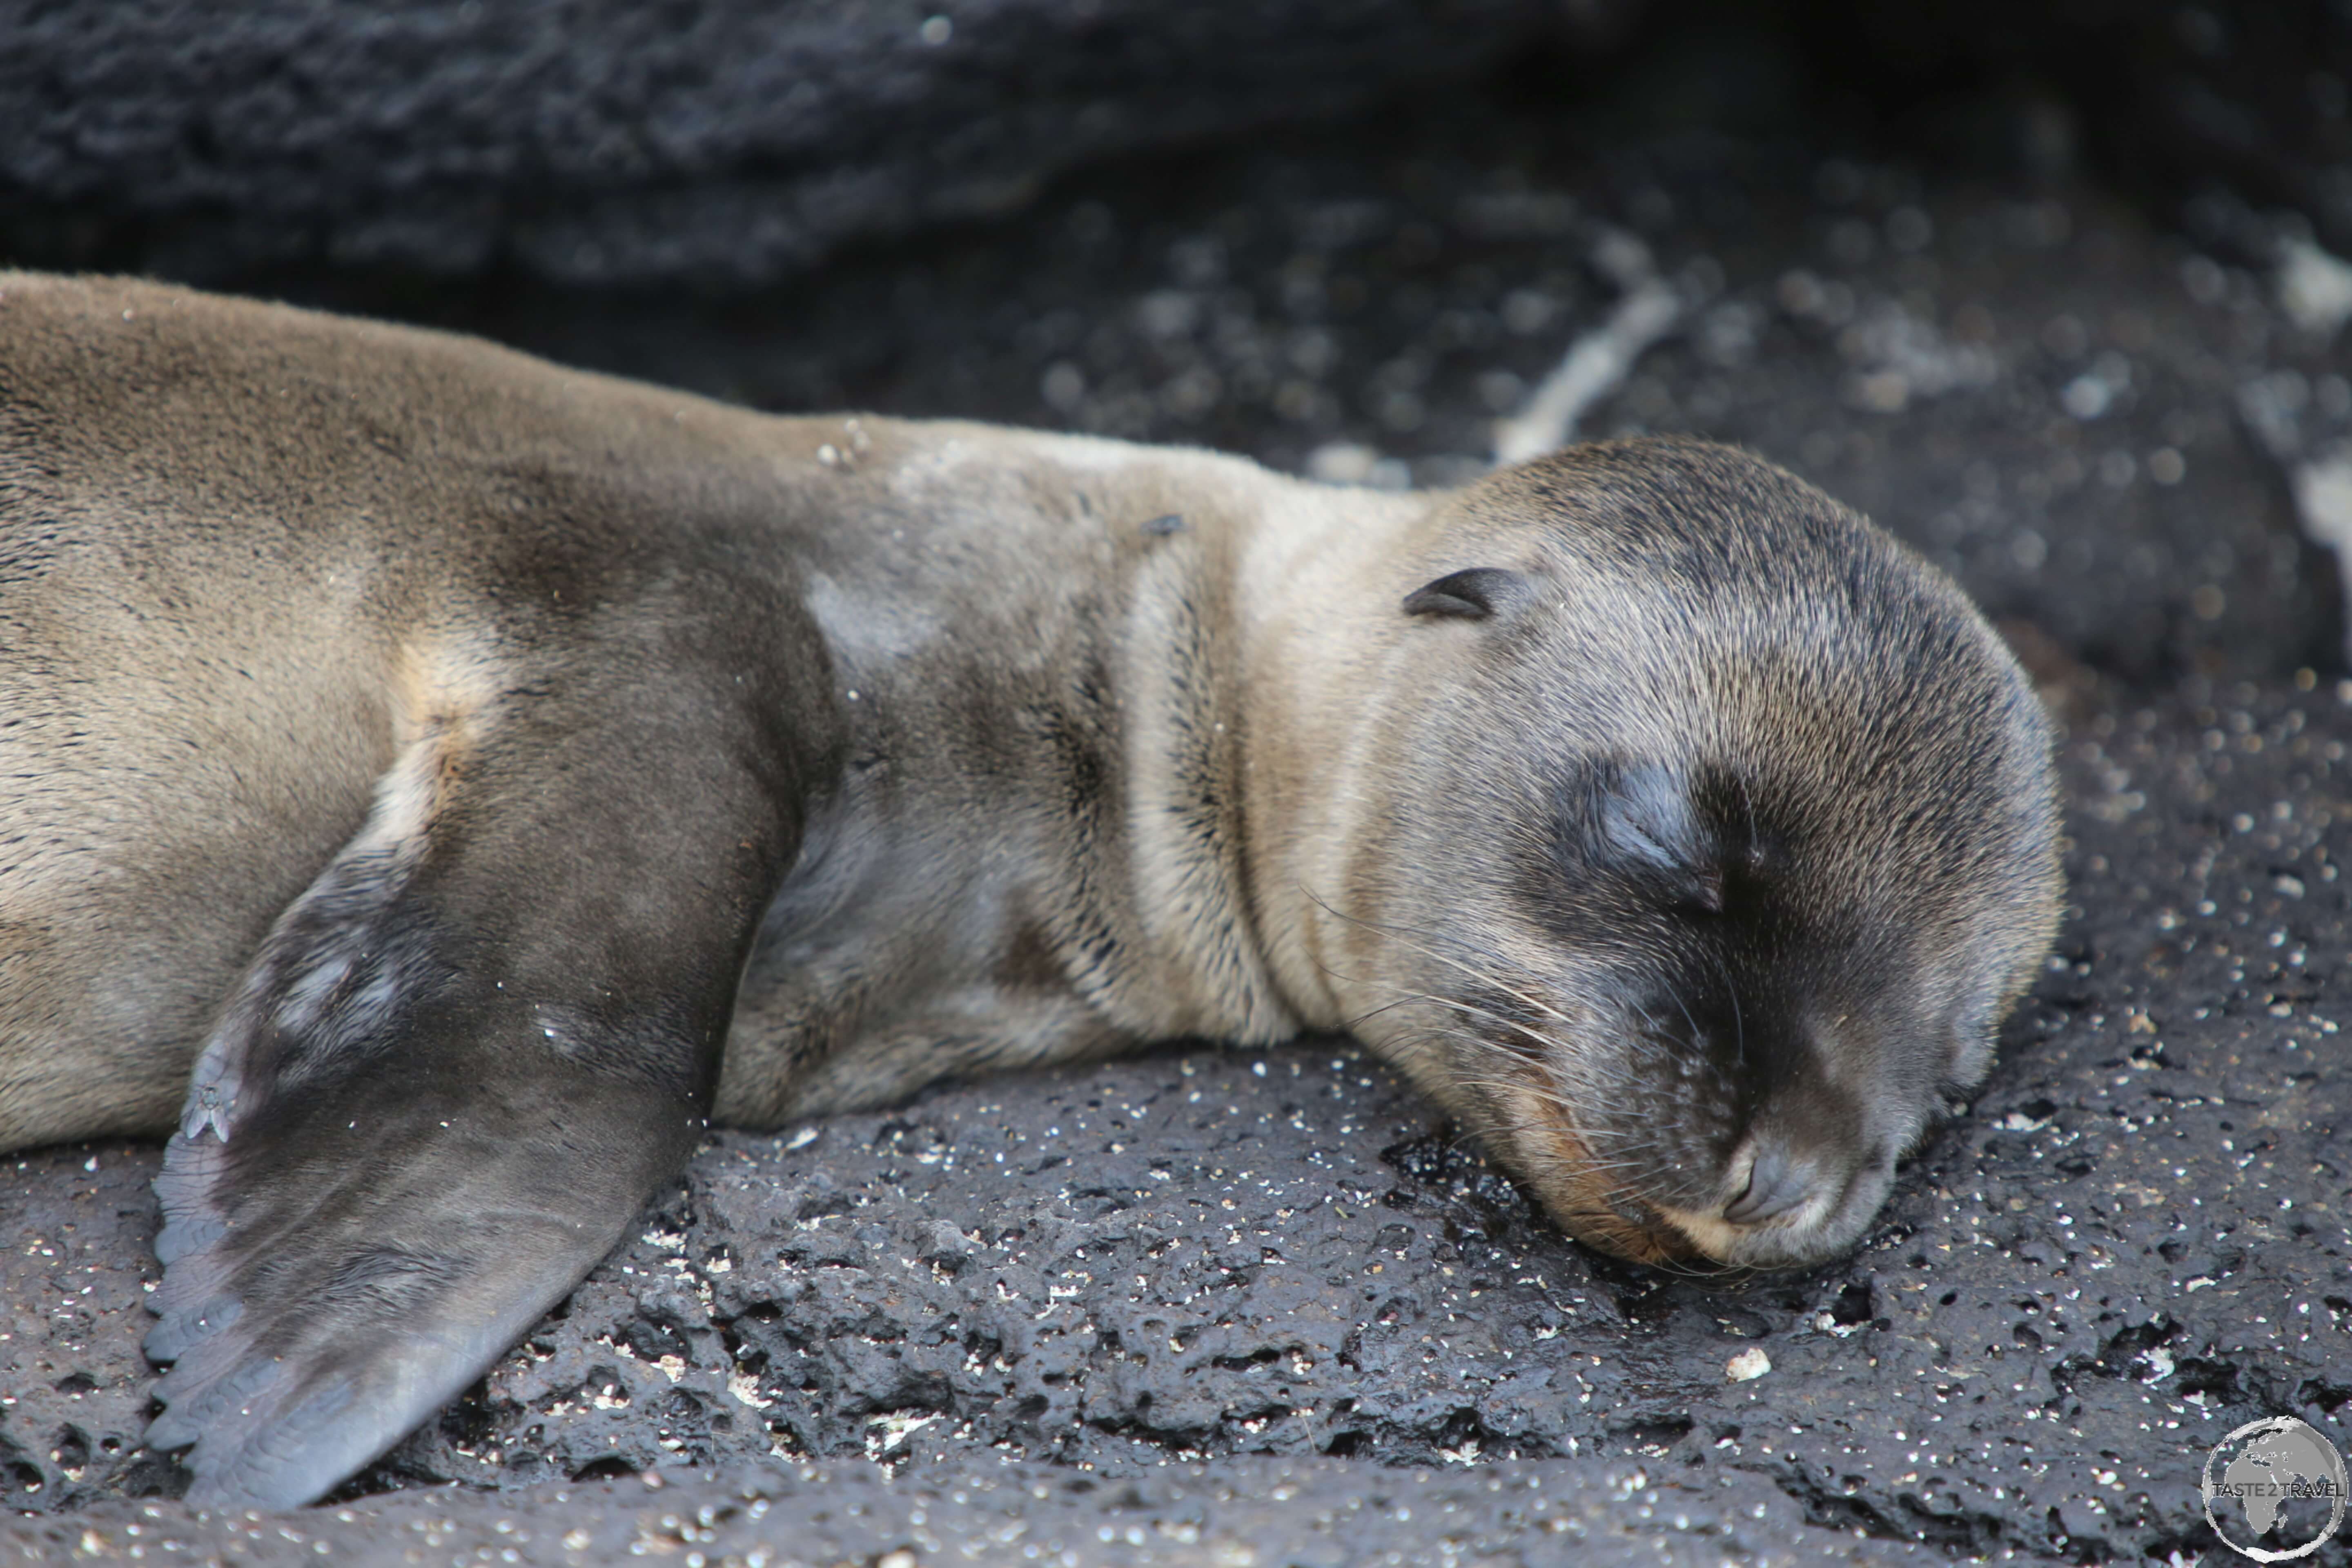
417, 762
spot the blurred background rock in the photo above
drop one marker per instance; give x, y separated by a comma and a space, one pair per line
2009, 276
731, 142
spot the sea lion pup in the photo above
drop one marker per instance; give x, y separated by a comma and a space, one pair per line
409, 750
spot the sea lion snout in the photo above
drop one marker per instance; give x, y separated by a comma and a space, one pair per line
1775, 1176
1694, 1143
1796, 1193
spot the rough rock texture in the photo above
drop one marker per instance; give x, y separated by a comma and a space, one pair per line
2136, 1242
1311, 1514
598, 141
1262, 1298
727, 143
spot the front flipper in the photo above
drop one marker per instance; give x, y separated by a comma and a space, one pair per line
322, 1296
459, 1065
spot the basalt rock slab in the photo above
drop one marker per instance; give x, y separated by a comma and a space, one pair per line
728, 144
718, 143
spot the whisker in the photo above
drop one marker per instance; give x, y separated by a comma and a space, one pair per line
1609, 1151
1730, 990
1409, 939
1595, 1076
1590, 1075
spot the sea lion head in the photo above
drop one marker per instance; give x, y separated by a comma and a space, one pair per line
1714, 835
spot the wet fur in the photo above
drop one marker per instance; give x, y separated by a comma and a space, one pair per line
437, 781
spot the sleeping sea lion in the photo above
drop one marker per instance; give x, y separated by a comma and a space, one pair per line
435, 783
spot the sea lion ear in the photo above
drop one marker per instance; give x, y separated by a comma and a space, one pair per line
1473, 594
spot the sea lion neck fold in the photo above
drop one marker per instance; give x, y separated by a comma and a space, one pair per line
1128, 649
1317, 627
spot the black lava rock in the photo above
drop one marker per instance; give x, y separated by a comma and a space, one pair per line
594, 142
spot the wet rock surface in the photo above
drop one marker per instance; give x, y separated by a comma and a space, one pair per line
1263, 1297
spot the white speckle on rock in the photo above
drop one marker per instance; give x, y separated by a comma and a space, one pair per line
1748, 1365
2087, 397
2314, 287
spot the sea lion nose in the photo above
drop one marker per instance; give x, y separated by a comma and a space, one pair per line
1780, 1179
